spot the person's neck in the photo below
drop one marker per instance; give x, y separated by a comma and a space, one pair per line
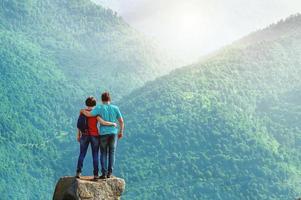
89, 108
107, 102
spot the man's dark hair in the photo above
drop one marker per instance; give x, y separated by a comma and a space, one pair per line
90, 101
105, 97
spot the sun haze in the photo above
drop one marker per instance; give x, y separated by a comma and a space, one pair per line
192, 28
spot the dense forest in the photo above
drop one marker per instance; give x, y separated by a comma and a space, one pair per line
90, 44
52, 55
227, 127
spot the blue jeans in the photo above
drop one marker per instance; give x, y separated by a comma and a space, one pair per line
108, 144
85, 140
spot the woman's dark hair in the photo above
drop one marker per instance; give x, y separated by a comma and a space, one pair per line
105, 97
90, 101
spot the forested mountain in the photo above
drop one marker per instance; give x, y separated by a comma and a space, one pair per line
54, 53
225, 128
33, 94
91, 45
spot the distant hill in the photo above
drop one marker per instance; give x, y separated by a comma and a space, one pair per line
225, 128
275, 31
54, 53
90, 44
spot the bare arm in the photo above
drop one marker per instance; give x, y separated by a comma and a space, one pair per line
99, 119
121, 127
105, 123
86, 113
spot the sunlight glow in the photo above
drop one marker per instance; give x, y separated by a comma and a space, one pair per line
196, 27
185, 27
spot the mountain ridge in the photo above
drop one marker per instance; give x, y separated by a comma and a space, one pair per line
46, 67
83, 37
205, 122
214, 125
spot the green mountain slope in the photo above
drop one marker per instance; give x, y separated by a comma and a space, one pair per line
225, 128
52, 55
30, 130
90, 44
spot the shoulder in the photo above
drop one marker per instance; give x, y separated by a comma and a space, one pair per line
97, 108
117, 111
115, 107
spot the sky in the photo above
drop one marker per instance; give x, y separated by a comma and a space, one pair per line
193, 28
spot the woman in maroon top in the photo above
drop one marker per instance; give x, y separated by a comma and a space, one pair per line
91, 137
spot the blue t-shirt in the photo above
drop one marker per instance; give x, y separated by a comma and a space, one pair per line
110, 113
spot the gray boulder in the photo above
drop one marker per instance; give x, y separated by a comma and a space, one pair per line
71, 188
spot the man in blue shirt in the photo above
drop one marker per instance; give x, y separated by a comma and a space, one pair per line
109, 135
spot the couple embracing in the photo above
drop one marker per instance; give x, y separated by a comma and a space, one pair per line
104, 138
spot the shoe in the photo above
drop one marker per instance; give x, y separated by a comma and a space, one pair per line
103, 176
109, 175
96, 177
78, 174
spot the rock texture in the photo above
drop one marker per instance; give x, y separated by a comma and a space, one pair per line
71, 188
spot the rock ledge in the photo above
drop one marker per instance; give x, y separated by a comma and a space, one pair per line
71, 188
